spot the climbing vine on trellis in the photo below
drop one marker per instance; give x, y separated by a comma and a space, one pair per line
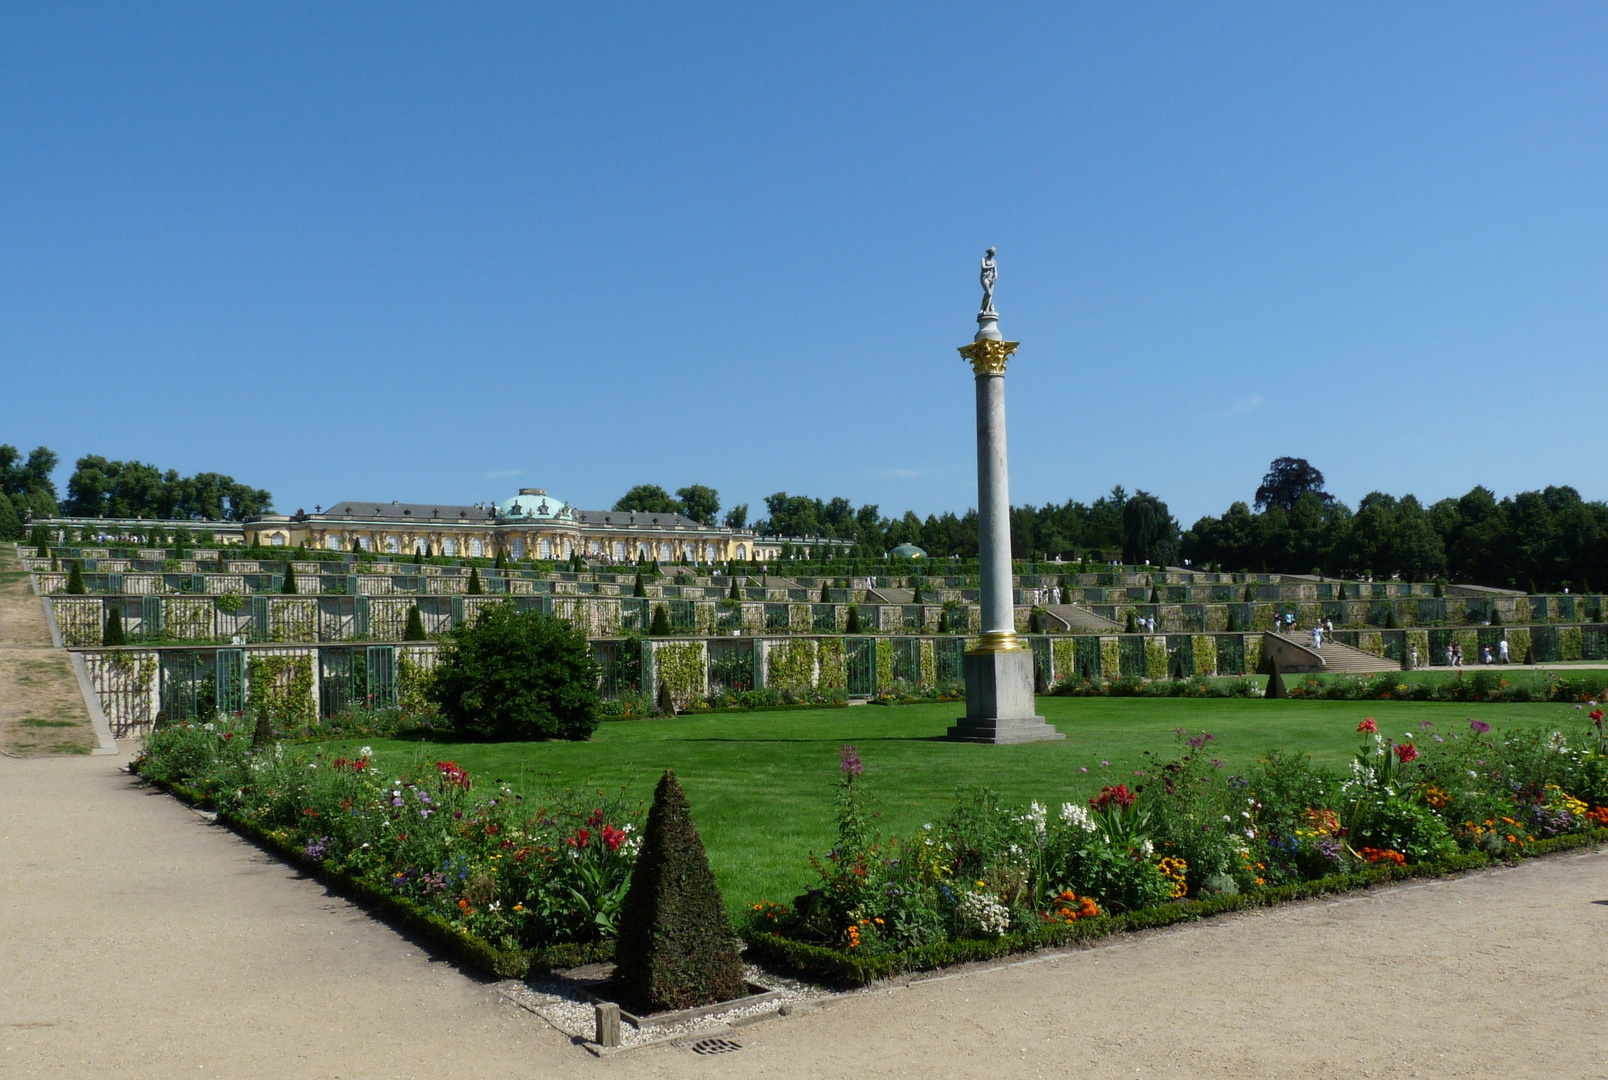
834, 667
680, 668
281, 688
791, 665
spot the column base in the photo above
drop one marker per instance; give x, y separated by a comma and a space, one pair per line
999, 701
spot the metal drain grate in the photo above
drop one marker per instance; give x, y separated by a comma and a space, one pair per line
715, 1046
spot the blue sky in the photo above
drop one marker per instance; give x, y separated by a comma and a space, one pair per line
439, 252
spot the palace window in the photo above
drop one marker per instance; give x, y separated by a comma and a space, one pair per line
476, 549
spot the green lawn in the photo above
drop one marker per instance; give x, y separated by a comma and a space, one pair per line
761, 783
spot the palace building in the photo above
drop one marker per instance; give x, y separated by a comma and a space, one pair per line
531, 525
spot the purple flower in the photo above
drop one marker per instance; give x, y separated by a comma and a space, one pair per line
1426, 724
1200, 740
1083, 768
1480, 726
1439, 739
315, 848
1105, 764
851, 762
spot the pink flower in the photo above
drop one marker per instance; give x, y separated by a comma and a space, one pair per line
1406, 752
1368, 726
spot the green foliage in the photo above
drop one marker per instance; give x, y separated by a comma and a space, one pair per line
10, 520
289, 585
639, 589
113, 633
1130, 624
474, 588
648, 499
126, 489
415, 627
517, 675
40, 539
75, 579
852, 621
434, 853
660, 626
700, 503
675, 947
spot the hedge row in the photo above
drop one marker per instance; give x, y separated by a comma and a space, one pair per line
835, 965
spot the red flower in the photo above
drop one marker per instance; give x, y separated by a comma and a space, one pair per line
227, 735
613, 837
1108, 794
1596, 716
579, 840
1406, 752
309, 812
1368, 726
452, 774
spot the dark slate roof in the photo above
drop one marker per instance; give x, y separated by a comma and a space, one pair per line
637, 518
395, 511
444, 512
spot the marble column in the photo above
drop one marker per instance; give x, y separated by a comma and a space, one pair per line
999, 667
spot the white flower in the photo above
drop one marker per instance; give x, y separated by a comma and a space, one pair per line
927, 827
982, 913
1147, 849
1078, 814
365, 751
1245, 813
1035, 814
1227, 818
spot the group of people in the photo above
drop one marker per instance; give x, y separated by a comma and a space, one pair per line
1454, 654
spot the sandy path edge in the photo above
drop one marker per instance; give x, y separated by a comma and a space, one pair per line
141, 940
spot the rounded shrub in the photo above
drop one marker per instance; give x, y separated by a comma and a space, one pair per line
513, 675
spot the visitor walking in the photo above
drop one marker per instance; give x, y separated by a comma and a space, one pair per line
1457, 656
1412, 660
1502, 650
1449, 657
1485, 655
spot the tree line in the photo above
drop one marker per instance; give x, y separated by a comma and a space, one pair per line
1544, 540
99, 487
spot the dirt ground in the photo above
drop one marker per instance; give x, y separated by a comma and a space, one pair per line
139, 940
41, 708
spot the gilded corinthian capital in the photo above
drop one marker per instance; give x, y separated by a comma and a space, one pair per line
988, 357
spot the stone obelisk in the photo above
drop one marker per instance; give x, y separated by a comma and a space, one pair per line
999, 667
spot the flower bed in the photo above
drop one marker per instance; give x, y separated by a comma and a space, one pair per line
504, 885
1188, 840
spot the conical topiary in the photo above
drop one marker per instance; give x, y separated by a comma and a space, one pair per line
1130, 625
660, 626
75, 580
675, 948
826, 597
474, 587
639, 589
1155, 594
415, 627
113, 632
290, 580
736, 593
1275, 681
418, 556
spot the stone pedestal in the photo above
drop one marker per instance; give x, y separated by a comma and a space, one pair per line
999, 700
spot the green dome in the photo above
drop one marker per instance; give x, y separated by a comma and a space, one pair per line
534, 504
908, 551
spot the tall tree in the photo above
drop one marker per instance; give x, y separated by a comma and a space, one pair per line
1287, 479
700, 503
648, 499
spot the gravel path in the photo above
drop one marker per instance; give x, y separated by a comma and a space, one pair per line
140, 941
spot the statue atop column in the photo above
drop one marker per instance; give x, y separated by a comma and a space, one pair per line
989, 275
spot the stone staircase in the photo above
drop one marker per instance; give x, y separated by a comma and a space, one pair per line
1081, 620
1334, 657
